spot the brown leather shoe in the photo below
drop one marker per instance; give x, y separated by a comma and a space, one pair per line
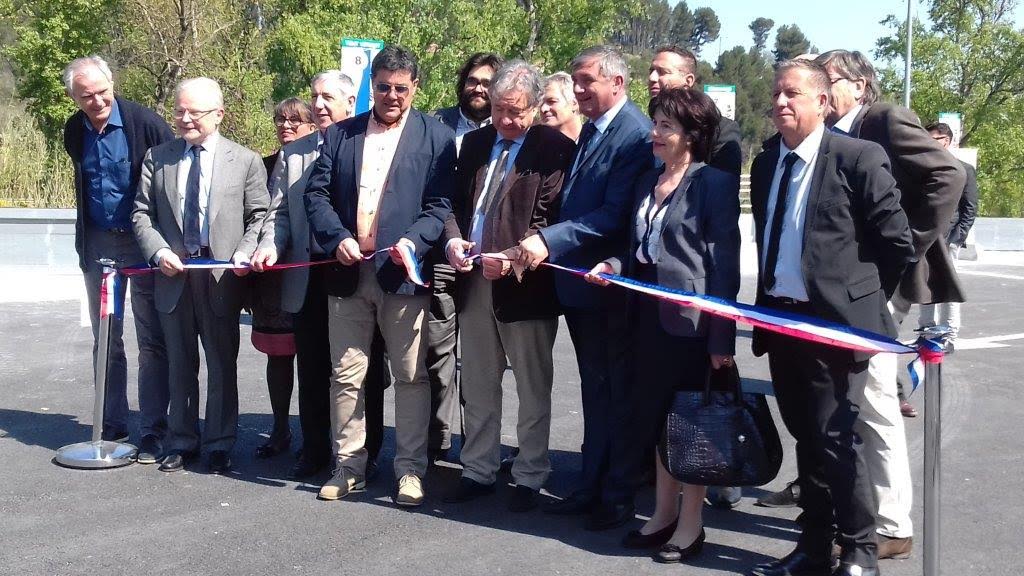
907, 409
895, 548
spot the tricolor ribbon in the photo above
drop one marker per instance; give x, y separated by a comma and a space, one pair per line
110, 285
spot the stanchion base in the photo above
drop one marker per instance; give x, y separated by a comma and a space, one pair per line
96, 455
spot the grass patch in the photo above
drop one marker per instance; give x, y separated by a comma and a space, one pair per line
32, 174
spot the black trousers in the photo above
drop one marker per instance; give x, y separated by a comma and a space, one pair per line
313, 354
813, 386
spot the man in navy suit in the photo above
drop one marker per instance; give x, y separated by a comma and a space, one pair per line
614, 150
381, 181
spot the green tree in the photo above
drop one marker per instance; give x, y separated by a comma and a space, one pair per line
683, 25
706, 27
752, 75
761, 28
51, 33
969, 59
790, 42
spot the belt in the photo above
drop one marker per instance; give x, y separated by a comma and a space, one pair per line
118, 230
203, 252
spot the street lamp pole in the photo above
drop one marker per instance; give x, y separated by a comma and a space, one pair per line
910, 42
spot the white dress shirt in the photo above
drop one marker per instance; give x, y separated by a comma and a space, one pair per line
845, 124
476, 227
789, 278
205, 176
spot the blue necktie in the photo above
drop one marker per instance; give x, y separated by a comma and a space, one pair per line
191, 219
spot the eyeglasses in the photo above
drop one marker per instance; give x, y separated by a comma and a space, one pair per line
472, 83
385, 88
835, 80
193, 114
281, 122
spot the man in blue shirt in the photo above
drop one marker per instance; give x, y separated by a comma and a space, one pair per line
106, 140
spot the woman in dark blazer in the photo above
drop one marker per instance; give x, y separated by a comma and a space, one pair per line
684, 234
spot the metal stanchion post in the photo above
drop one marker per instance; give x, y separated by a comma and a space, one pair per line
932, 452
97, 453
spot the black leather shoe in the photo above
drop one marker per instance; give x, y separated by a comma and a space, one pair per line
468, 489
608, 516
219, 462
435, 455
150, 451
670, 553
176, 461
508, 461
788, 497
845, 569
306, 467
372, 468
636, 540
523, 499
575, 504
274, 446
795, 563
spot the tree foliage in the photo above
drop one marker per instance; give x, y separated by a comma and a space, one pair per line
790, 42
761, 28
970, 59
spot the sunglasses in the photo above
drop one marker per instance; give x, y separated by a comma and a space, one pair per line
385, 88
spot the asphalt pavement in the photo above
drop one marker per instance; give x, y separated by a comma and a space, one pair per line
137, 520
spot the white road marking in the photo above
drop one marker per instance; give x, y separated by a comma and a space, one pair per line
990, 275
986, 342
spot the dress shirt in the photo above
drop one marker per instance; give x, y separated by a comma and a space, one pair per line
602, 126
466, 125
476, 230
789, 278
845, 124
205, 176
106, 173
649, 222
378, 153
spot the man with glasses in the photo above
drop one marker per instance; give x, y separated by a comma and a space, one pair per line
106, 140
472, 112
286, 236
378, 194
201, 196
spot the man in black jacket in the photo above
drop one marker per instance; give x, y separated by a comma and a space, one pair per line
833, 242
960, 226
107, 140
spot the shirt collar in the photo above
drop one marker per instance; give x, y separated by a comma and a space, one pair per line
113, 120
472, 123
516, 142
398, 125
209, 145
807, 149
605, 119
846, 122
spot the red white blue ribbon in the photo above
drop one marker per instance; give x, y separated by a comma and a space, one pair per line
111, 301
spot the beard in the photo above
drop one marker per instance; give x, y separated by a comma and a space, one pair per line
476, 109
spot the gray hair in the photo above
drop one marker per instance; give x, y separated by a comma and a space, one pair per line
563, 83
610, 62
817, 74
853, 66
347, 86
517, 75
78, 66
206, 85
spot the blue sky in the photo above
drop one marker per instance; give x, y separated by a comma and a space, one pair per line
824, 24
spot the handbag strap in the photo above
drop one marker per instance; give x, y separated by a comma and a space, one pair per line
737, 385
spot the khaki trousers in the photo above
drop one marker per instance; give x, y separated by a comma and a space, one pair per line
485, 345
403, 324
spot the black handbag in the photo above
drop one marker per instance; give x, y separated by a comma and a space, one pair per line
721, 438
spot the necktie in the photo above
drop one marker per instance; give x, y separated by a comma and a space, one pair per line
778, 216
191, 220
497, 176
589, 129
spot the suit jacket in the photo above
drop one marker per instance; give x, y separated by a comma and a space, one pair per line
596, 199
856, 239
528, 200
143, 129
726, 150
286, 226
237, 205
448, 116
966, 210
700, 250
931, 181
414, 205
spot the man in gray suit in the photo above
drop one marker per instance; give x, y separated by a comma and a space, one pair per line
200, 196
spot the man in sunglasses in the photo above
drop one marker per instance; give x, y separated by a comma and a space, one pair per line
378, 195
